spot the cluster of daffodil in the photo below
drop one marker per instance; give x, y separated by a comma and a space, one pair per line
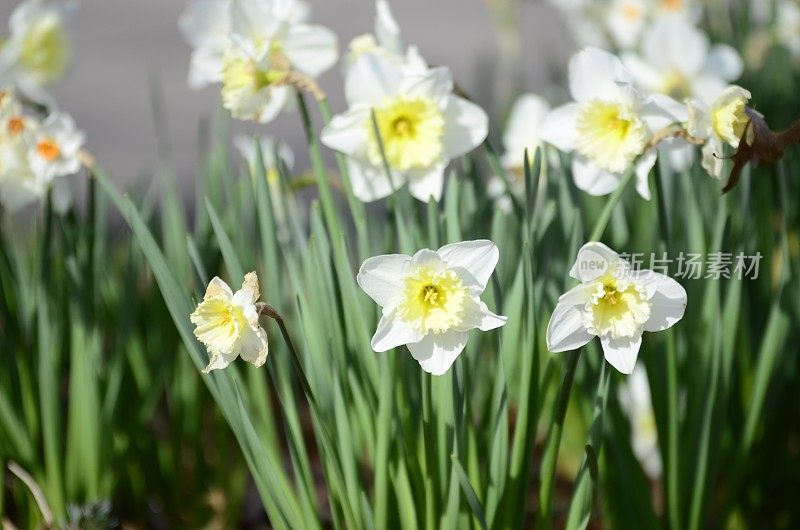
39, 145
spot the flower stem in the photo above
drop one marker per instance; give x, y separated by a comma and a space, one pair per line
605, 216
553, 443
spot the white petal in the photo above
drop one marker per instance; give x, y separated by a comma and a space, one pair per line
648, 77
370, 183
674, 43
621, 353
254, 345
594, 259
251, 21
466, 127
474, 261
387, 30
435, 84
371, 79
204, 21
427, 184
595, 73
660, 111
348, 132
591, 179
217, 287
559, 127
667, 304
524, 128
643, 167
218, 361
393, 332
437, 352
249, 293
565, 331
205, 66
383, 277
311, 49
725, 62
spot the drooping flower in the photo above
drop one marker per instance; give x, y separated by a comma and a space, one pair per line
431, 300
421, 126
38, 50
635, 401
723, 122
227, 324
257, 49
609, 124
616, 304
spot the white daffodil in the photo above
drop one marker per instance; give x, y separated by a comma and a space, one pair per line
609, 124
522, 132
387, 42
56, 146
431, 300
635, 401
615, 303
723, 122
38, 50
677, 60
257, 49
420, 124
205, 25
227, 324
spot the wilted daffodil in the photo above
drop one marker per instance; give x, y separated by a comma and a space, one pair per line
38, 50
634, 399
609, 125
227, 324
431, 300
420, 124
723, 122
613, 302
258, 50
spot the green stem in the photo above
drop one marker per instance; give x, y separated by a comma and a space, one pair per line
553, 443
605, 216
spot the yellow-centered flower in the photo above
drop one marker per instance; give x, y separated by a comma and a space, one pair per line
411, 130
610, 134
431, 300
616, 304
227, 324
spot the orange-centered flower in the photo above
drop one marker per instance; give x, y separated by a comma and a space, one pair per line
16, 125
48, 149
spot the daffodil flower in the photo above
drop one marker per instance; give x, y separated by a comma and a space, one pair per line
35, 156
38, 50
56, 146
616, 304
626, 20
431, 300
677, 60
635, 401
723, 122
609, 124
257, 49
227, 324
420, 124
